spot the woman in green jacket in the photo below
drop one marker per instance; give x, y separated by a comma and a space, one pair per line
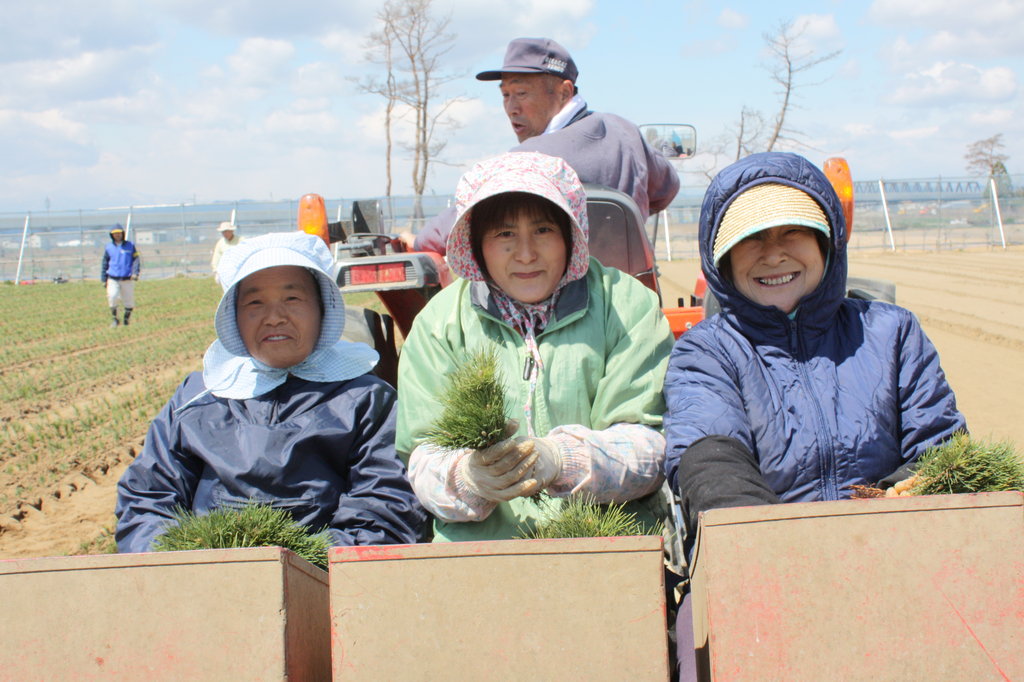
582, 349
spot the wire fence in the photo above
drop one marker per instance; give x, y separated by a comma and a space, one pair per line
930, 214
916, 214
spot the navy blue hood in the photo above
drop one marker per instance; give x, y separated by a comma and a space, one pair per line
815, 309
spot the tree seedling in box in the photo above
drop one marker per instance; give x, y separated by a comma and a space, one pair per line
960, 465
253, 525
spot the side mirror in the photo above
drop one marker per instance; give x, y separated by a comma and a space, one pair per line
671, 140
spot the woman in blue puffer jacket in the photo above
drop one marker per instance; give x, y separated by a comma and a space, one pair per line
793, 392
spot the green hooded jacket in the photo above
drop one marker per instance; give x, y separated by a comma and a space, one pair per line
605, 353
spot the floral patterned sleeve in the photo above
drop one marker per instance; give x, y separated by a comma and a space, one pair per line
617, 464
436, 479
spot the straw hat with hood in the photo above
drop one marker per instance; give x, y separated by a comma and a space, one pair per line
763, 191
230, 371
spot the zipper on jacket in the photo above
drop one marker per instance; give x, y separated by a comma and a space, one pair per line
827, 464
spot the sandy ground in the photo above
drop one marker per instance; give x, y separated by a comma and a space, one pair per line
971, 304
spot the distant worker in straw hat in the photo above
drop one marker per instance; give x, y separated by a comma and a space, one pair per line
119, 271
228, 238
794, 392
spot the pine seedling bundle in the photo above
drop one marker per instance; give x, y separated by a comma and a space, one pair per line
961, 465
253, 525
473, 404
581, 517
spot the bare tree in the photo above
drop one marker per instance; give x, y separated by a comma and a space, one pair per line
410, 45
789, 62
749, 132
983, 157
742, 138
380, 50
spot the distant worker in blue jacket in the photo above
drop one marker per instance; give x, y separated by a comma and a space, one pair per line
284, 413
793, 392
119, 272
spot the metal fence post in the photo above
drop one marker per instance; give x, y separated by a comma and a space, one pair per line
668, 237
999, 216
885, 211
21, 254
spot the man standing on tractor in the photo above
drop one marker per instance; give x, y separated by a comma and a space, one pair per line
548, 115
118, 273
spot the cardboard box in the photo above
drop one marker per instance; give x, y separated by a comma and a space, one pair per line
579, 609
914, 588
234, 614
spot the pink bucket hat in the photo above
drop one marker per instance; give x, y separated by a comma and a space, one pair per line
546, 176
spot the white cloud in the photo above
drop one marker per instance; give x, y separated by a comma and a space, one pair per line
992, 117
261, 63
859, 129
956, 28
733, 20
87, 75
913, 133
817, 27
952, 82
939, 14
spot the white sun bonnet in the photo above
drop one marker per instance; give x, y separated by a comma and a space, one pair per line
230, 371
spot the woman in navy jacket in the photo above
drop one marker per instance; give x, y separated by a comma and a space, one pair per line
793, 392
284, 413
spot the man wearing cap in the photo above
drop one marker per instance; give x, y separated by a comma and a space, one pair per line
548, 115
118, 273
228, 238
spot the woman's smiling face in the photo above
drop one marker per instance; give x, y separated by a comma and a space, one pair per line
525, 256
777, 266
278, 314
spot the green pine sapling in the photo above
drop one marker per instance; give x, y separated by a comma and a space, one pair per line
253, 525
473, 402
962, 465
581, 517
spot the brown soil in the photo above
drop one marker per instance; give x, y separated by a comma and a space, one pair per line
971, 304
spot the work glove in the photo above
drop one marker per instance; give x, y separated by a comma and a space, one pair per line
548, 466
501, 472
901, 488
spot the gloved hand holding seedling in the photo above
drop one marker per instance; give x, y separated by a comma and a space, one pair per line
498, 467
960, 465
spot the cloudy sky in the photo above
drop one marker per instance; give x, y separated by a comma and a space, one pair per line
120, 102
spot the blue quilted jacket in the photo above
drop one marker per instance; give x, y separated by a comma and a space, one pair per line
845, 392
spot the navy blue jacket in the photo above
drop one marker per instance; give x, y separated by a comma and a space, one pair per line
845, 392
323, 451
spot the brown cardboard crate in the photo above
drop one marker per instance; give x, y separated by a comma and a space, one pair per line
576, 609
227, 614
912, 588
